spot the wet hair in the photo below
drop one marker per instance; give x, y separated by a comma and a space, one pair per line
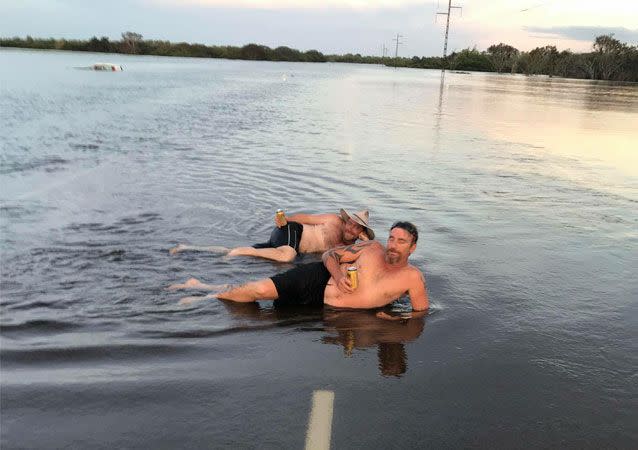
409, 227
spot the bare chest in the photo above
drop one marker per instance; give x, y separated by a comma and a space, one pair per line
374, 290
319, 238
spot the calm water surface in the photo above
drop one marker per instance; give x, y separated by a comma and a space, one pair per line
525, 191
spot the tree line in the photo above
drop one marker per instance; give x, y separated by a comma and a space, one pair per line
133, 43
609, 59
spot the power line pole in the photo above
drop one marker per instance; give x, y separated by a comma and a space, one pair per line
447, 24
396, 49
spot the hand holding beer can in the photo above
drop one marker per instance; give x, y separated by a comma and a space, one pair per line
280, 218
353, 277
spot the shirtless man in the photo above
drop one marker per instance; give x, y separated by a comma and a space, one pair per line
384, 275
302, 233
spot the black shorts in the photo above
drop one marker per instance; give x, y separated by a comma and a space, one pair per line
302, 285
289, 234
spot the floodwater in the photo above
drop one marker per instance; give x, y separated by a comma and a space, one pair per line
525, 192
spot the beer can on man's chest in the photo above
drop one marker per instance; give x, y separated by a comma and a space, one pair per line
353, 277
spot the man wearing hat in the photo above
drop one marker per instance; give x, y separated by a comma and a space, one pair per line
303, 233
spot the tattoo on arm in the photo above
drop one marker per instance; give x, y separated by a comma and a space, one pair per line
332, 254
337, 254
354, 249
351, 249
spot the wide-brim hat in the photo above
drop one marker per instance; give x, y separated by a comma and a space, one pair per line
361, 217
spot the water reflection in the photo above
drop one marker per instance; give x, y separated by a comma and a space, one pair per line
438, 115
577, 130
351, 329
358, 330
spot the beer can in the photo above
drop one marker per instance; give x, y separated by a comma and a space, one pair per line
353, 277
282, 216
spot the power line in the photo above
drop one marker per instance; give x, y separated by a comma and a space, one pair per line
534, 7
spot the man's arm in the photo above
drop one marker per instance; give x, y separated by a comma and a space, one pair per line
418, 299
312, 219
334, 257
418, 292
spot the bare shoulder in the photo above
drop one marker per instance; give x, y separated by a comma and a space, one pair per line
361, 245
415, 274
375, 245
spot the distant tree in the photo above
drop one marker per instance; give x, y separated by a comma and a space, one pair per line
567, 65
542, 60
630, 72
610, 55
503, 56
521, 64
255, 52
231, 52
99, 45
315, 56
587, 63
471, 59
130, 41
287, 54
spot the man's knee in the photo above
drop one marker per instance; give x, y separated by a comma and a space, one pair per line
265, 289
287, 253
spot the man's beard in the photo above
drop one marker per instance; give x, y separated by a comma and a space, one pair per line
393, 257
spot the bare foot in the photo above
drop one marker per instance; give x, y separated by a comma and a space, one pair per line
178, 248
191, 283
190, 300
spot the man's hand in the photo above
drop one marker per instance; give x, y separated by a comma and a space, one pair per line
363, 236
280, 221
403, 317
344, 285
385, 316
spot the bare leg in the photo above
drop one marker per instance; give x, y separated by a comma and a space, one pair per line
195, 248
285, 253
194, 283
250, 292
257, 290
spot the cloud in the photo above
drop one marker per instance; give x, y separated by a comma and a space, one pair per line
588, 33
292, 4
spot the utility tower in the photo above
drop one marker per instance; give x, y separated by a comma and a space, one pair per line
447, 23
396, 48
384, 51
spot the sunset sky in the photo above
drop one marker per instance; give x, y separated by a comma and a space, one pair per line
331, 26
